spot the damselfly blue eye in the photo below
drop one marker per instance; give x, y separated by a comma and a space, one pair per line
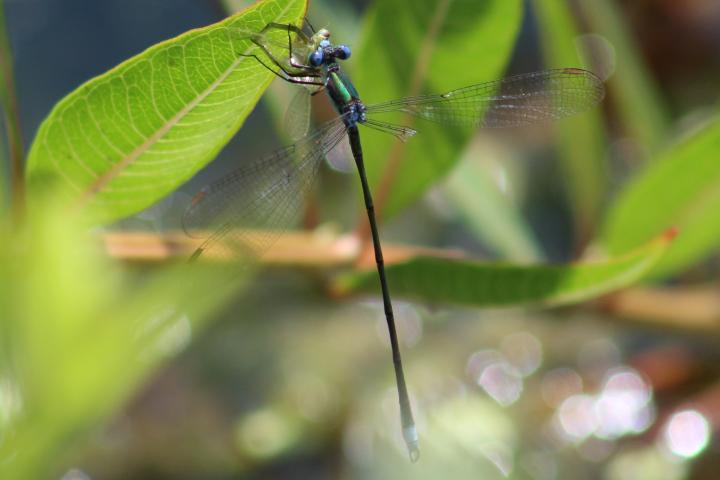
343, 52
316, 58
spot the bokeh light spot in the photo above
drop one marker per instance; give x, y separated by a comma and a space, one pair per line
686, 433
502, 382
576, 417
523, 351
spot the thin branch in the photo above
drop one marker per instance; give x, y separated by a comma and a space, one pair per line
11, 111
685, 309
314, 249
682, 308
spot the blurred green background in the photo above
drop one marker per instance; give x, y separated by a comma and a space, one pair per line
114, 369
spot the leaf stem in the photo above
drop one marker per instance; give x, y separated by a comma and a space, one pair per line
11, 111
311, 249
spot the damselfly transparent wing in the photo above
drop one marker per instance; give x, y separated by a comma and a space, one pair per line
297, 115
243, 213
510, 102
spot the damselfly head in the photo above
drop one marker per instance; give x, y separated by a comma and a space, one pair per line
321, 38
317, 57
342, 52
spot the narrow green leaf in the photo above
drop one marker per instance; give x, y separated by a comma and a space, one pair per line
580, 139
680, 189
487, 212
127, 138
634, 93
78, 333
433, 279
426, 46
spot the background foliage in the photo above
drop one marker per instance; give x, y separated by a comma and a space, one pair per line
119, 361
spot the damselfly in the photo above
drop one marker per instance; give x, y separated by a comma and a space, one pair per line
265, 195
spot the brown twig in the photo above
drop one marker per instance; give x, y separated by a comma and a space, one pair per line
315, 249
684, 308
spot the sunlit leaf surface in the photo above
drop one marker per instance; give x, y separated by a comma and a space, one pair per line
680, 189
127, 138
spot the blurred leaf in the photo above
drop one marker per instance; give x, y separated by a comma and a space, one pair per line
488, 213
4, 165
78, 334
634, 93
580, 138
433, 279
426, 46
680, 189
127, 138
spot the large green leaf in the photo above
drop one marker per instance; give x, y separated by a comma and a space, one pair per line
580, 139
426, 46
680, 189
487, 212
127, 138
635, 95
460, 281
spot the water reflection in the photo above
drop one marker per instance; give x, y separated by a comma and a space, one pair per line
524, 351
500, 373
576, 417
502, 381
686, 433
559, 384
622, 406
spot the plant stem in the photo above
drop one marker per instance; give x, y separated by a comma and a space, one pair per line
8, 99
311, 249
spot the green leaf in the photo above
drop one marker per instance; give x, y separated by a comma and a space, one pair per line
433, 279
426, 46
487, 212
680, 189
78, 333
580, 139
125, 139
635, 95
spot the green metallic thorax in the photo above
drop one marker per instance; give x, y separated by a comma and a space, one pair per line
341, 90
